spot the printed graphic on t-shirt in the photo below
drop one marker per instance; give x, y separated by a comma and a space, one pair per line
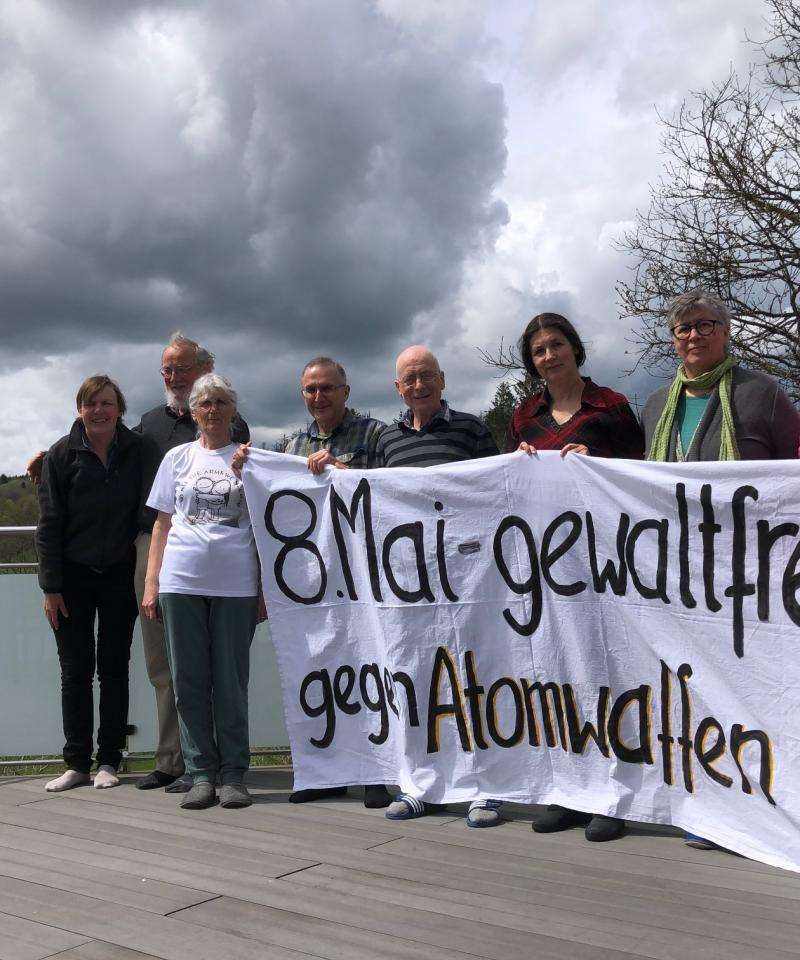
211, 496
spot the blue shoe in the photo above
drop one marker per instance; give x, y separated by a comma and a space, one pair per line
405, 807
699, 843
484, 813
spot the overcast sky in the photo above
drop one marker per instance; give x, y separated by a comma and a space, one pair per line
285, 179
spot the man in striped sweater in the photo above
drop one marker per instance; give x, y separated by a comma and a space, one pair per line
431, 434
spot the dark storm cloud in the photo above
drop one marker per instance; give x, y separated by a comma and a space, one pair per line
306, 171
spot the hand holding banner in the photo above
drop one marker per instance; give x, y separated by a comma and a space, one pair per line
613, 636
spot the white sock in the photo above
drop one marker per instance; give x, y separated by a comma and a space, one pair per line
105, 777
68, 780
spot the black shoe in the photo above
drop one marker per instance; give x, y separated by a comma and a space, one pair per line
376, 796
181, 785
155, 780
603, 828
557, 818
322, 793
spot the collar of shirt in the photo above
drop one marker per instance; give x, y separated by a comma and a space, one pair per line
186, 415
443, 413
347, 419
87, 446
592, 396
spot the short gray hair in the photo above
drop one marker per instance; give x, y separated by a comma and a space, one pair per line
203, 358
210, 383
326, 362
698, 299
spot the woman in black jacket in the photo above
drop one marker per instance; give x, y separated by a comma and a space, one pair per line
88, 502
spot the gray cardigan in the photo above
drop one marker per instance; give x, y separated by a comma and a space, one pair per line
767, 422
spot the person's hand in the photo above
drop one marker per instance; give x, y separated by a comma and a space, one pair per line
240, 458
261, 615
34, 467
317, 462
527, 448
150, 603
580, 448
53, 605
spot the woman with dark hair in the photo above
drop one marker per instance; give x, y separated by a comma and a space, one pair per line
571, 414
574, 415
88, 503
202, 580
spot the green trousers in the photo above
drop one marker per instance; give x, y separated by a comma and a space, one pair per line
208, 644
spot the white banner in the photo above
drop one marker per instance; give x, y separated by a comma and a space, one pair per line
612, 636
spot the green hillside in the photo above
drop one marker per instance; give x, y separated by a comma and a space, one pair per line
18, 508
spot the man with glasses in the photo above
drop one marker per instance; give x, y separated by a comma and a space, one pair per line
162, 428
432, 434
336, 436
342, 438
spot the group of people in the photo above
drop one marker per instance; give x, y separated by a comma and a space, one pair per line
157, 515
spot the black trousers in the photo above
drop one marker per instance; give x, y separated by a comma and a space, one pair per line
109, 596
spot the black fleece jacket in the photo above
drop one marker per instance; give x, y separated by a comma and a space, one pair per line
87, 513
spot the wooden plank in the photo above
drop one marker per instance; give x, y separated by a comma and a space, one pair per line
390, 932
94, 881
335, 941
13, 949
70, 830
606, 864
31, 931
199, 875
572, 891
168, 938
571, 846
665, 935
254, 826
103, 950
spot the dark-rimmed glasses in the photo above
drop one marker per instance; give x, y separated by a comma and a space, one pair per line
704, 327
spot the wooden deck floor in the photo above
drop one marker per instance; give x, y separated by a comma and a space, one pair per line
125, 875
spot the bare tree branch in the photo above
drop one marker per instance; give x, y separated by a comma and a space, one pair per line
725, 214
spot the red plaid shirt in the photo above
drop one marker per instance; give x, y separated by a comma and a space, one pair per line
605, 423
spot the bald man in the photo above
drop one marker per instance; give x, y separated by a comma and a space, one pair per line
431, 434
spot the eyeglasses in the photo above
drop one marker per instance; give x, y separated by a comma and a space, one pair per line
682, 331
412, 378
210, 402
326, 389
175, 371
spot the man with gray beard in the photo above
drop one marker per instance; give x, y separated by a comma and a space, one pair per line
162, 428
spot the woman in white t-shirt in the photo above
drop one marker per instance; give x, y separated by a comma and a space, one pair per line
202, 580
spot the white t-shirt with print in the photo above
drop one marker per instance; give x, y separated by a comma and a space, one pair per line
210, 549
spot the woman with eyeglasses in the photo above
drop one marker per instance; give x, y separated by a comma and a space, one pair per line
202, 581
715, 409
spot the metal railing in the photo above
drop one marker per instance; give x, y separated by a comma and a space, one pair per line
16, 532
49, 761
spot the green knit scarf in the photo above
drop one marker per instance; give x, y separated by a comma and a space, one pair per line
728, 449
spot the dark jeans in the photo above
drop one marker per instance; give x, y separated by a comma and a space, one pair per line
110, 596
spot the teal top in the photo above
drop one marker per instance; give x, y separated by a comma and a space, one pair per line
689, 414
